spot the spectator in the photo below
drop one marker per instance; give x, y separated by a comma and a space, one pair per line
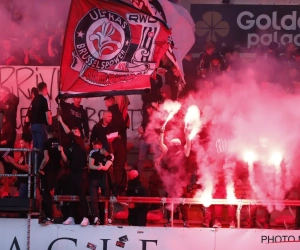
55, 46
290, 81
26, 133
190, 73
216, 68
144, 145
137, 215
123, 103
217, 210
9, 105
273, 50
36, 55
205, 59
100, 164
49, 170
174, 156
165, 93
7, 141
74, 115
22, 168
102, 130
120, 174
117, 117
40, 118
288, 57
9, 56
76, 157
297, 58
63, 187
173, 79
233, 60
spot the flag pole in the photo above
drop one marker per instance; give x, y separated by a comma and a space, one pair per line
58, 105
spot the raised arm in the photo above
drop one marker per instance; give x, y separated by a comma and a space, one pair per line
62, 153
162, 145
188, 144
65, 127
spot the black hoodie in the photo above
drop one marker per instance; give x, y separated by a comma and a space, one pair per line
117, 120
99, 133
75, 117
137, 188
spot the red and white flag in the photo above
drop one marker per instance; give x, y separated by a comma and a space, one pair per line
110, 48
180, 22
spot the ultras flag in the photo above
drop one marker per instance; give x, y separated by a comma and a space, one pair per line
110, 48
179, 20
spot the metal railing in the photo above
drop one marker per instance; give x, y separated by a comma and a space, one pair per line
29, 176
177, 201
32, 172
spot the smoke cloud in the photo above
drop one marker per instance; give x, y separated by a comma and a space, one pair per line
250, 124
23, 21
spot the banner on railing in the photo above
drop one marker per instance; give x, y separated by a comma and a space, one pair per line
57, 237
20, 80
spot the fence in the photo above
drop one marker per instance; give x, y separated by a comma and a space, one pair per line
123, 200
29, 175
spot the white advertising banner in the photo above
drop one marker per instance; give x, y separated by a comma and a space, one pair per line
58, 237
20, 80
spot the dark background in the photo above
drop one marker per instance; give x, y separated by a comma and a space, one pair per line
236, 35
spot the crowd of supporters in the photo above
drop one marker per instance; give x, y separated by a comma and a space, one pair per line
34, 32
77, 161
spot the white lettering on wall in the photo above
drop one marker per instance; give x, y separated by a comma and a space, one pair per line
20, 80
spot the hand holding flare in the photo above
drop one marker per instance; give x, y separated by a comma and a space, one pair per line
192, 121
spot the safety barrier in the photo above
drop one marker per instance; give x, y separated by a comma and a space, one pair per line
31, 173
190, 201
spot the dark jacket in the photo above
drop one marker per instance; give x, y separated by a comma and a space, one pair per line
75, 117
117, 118
137, 188
9, 108
99, 133
120, 174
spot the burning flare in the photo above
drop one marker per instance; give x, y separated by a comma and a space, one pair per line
192, 121
172, 108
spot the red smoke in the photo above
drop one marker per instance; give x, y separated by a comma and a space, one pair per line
258, 121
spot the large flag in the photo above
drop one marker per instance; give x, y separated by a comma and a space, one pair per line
110, 47
180, 22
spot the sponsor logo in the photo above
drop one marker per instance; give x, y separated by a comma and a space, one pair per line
212, 26
246, 20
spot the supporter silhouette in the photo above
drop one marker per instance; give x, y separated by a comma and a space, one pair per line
102, 131
26, 133
117, 117
75, 155
40, 118
35, 55
49, 171
137, 215
9, 56
101, 173
21, 165
74, 115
